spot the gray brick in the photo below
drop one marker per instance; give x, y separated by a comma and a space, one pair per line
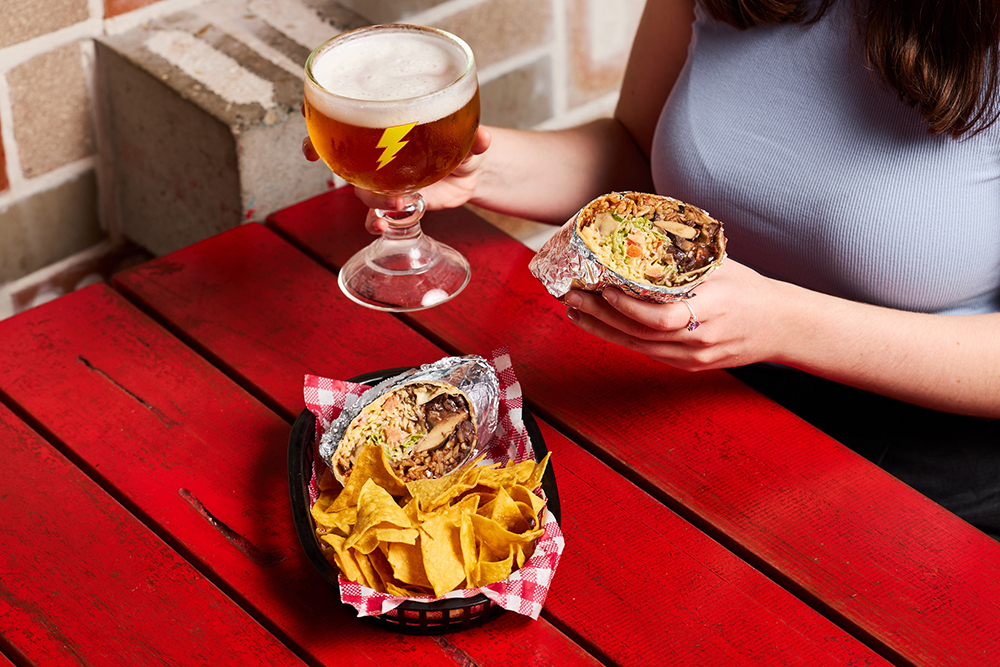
499, 29
37, 230
522, 98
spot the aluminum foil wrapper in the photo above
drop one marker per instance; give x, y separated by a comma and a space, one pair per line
565, 262
472, 374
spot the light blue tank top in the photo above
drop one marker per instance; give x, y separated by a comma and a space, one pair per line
823, 177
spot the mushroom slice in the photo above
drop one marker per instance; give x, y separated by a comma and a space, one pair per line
676, 228
437, 435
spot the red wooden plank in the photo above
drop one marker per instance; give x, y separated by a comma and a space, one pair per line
85, 583
730, 613
172, 434
236, 292
890, 563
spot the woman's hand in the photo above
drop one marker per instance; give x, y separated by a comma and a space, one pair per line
726, 323
452, 191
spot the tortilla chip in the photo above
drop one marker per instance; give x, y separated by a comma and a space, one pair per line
376, 510
434, 492
441, 546
497, 541
407, 563
344, 558
490, 572
371, 465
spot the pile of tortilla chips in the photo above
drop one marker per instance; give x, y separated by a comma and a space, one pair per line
428, 537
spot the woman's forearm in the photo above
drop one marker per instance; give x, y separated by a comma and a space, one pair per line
548, 175
949, 363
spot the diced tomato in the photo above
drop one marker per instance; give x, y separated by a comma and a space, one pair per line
393, 434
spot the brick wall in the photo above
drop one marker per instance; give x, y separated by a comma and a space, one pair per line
542, 63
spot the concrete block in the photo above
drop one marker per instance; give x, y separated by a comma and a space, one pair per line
202, 120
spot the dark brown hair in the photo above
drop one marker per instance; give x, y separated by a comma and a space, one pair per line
939, 56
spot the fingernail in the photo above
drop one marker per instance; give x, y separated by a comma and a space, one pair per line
573, 314
610, 296
573, 300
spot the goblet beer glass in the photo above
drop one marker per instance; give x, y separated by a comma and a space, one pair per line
392, 109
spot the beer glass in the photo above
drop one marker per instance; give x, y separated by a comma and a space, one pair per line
392, 109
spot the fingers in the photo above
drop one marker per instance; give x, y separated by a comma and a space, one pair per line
667, 351
308, 150
376, 200
482, 141
639, 319
373, 200
375, 224
670, 342
672, 316
307, 147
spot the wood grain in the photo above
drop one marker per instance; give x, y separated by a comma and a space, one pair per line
891, 566
637, 583
84, 582
146, 416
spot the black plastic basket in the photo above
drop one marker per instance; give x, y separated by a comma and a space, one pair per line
413, 617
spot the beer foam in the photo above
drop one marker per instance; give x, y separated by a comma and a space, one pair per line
390, 77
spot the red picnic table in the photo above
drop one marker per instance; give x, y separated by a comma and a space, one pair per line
147, 517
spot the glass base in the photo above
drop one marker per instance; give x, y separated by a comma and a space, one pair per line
404, 278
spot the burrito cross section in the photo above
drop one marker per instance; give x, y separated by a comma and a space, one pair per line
426, 429
651, 239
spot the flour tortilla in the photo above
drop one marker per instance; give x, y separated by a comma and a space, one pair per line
426, 429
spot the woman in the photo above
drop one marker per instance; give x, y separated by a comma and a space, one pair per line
849, 148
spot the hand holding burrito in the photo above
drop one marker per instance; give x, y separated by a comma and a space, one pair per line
651, 247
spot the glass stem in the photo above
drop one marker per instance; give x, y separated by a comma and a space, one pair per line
404, 220
403, 246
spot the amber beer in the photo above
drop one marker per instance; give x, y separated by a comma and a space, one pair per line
392, 111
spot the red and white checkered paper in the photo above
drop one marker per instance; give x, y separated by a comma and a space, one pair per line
525, 590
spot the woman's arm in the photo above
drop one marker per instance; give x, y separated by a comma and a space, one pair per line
949, 363
538, 175
548, 175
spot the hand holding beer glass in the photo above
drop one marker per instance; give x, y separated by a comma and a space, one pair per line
392, 109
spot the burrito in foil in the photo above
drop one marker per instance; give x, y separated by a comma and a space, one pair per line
428, 421
652, 247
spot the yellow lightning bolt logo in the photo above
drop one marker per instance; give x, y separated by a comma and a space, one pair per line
392, 142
